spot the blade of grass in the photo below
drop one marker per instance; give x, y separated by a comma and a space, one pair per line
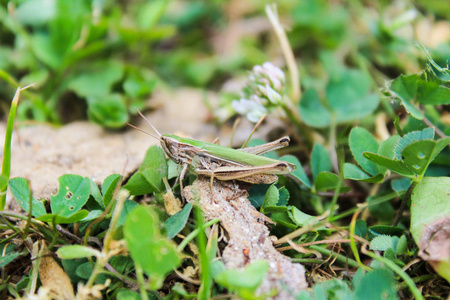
6, 165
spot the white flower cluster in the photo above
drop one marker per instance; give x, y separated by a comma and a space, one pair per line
263, 92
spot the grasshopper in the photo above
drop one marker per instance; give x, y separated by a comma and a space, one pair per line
223, 163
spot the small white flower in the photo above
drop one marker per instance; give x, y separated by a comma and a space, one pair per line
274, 71
272, 95
253, 110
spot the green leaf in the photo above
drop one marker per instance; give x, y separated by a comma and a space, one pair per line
95, 193
284, 196
153, 252
108, 110
271, 198
430, 92
300, 218
148, 179
6, 259
312, 111
387, 148
20, 190
178, 221
405, 89
245, 282
108, 188
348, 95
73, 193
77, 251
396, 166
419, 155
298, 173
332, 289
326, 181
150, 13
97, 80
429, 202
36, 12
361, 228
139, 83
354, 173
360, 140
400, 185
377, 284
58, 219
413, 136
320, 160
382, 242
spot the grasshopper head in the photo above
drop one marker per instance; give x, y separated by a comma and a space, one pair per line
171, 147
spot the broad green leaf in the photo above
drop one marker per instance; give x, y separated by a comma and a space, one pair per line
300, 218
108, 110
109, 187
405, 88
348, 95
95, 193
361, 140
20, 190
6, 259
332, 289
326, 181
396, 166
320, 160
430, 92
284, 196
298, 173
139, 83
426, 134
36, 12
148, 179
418, 155
383, 242
377, 284
93, 214
153, 252
312, 111
97, 80
245, 282
387, 148
73, 192
354, 173
77, 251
401, 184
58, 219
150, 12
271, 198
126, 294
178, 221
429, 202
361, 228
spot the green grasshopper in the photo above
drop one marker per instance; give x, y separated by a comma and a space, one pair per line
223, 163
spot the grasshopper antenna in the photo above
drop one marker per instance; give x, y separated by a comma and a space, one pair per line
143, 131
153, 127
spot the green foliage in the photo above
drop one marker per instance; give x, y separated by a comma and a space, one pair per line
245, 282
148, 178
149, 249
98, 60
178, 221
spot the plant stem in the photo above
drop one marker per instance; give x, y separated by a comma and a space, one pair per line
339, 257
296, 92
352, 241
194, 233
403, 204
